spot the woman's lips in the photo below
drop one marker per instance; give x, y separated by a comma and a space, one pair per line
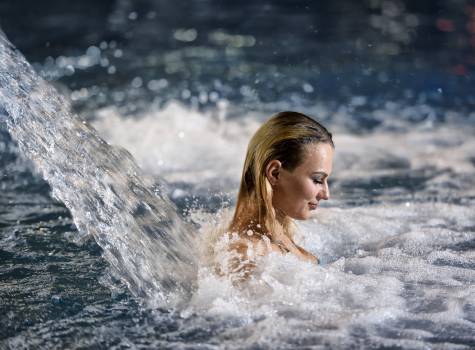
313, 206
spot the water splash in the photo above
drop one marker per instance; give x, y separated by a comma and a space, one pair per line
139, 230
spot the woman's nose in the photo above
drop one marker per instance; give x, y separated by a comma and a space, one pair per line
325, 192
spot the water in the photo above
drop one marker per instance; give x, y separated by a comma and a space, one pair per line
84, 263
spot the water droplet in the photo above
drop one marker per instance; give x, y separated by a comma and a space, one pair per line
133, 16
186, 94
307, 88
118, 53
136, 82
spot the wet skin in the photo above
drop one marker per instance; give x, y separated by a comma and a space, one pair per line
297, 193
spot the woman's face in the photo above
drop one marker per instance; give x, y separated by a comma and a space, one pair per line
297, 193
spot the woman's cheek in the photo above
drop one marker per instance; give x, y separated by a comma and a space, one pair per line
310, 191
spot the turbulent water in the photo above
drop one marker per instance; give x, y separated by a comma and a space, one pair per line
99, 257
99, 184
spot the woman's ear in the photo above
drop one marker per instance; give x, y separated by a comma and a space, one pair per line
273, 171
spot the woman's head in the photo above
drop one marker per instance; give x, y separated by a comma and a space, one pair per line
287, 164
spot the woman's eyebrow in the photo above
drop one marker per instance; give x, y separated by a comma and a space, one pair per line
322, 173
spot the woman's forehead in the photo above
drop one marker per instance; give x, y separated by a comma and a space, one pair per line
318, 157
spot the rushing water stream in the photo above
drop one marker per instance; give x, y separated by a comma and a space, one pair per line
102, 248
137, 228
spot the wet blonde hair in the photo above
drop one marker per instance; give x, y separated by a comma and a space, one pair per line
283, 137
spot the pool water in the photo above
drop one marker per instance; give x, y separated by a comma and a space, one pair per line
112, 180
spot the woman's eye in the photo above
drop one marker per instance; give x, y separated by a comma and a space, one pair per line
317, 181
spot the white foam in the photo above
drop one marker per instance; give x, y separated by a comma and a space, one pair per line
207, 150
375, 257
384, 265
181, 144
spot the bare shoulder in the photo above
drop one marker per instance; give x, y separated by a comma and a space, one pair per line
236, 260
252, 247
248, 247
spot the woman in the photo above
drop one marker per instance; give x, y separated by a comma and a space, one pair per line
287, 165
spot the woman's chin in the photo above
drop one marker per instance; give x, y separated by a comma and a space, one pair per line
303, 216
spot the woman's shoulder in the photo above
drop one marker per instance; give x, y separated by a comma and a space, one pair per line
236, 257
250, 245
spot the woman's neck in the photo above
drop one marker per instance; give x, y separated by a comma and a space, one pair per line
282, 227
280, 217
